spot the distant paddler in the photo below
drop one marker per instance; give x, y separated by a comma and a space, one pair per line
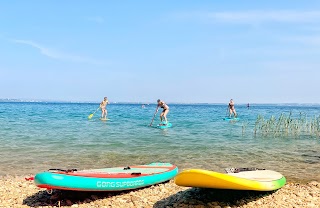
231, 108
164, 113
103, 106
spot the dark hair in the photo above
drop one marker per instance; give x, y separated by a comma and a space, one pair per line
158, 100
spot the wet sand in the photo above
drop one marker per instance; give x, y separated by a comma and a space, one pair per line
15, 191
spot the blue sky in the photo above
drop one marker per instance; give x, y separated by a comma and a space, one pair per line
179, 51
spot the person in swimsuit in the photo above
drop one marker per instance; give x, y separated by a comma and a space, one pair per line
103, 106
232, 110
165, 111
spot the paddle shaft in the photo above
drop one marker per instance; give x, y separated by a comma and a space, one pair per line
155, 113
95, 111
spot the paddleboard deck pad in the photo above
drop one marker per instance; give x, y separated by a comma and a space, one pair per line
164, 125
231, 119
253, 179
106, 179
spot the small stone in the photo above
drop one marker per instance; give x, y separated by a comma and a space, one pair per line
68, 202
314, 183
54, 197
94, 197
199, 206
87, 200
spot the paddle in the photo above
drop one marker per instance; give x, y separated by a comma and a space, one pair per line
228, 112
153, 118
90, 116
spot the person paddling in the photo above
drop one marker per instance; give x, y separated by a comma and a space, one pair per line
232, 110
164, 113
103, 106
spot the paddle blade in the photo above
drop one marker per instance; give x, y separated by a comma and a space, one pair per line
90, 116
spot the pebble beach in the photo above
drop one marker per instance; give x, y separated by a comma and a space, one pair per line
16, 191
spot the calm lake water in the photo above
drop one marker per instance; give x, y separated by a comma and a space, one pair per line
37, 136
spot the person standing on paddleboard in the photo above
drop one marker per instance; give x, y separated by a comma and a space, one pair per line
103, 106
165, 111
232, 110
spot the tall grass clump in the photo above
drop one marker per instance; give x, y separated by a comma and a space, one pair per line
244, 127
287, 126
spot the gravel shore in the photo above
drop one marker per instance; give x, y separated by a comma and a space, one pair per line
17, 192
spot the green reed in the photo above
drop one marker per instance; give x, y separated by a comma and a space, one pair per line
244, 127
287, 125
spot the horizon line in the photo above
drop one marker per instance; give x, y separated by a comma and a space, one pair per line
17, 100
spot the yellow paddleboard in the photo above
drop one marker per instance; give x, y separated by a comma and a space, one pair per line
255, 180
104, 119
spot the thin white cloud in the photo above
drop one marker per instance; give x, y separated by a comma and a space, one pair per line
252, 17
59, 55
43, 50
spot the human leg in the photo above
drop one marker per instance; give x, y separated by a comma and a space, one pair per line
161, 116
165, 113
103, 111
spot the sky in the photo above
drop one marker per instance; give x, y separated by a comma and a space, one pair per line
179, 51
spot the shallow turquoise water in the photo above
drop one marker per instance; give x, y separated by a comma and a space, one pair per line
38, 136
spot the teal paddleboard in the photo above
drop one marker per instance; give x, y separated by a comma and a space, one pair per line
163, 125
106, 179
231, 119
